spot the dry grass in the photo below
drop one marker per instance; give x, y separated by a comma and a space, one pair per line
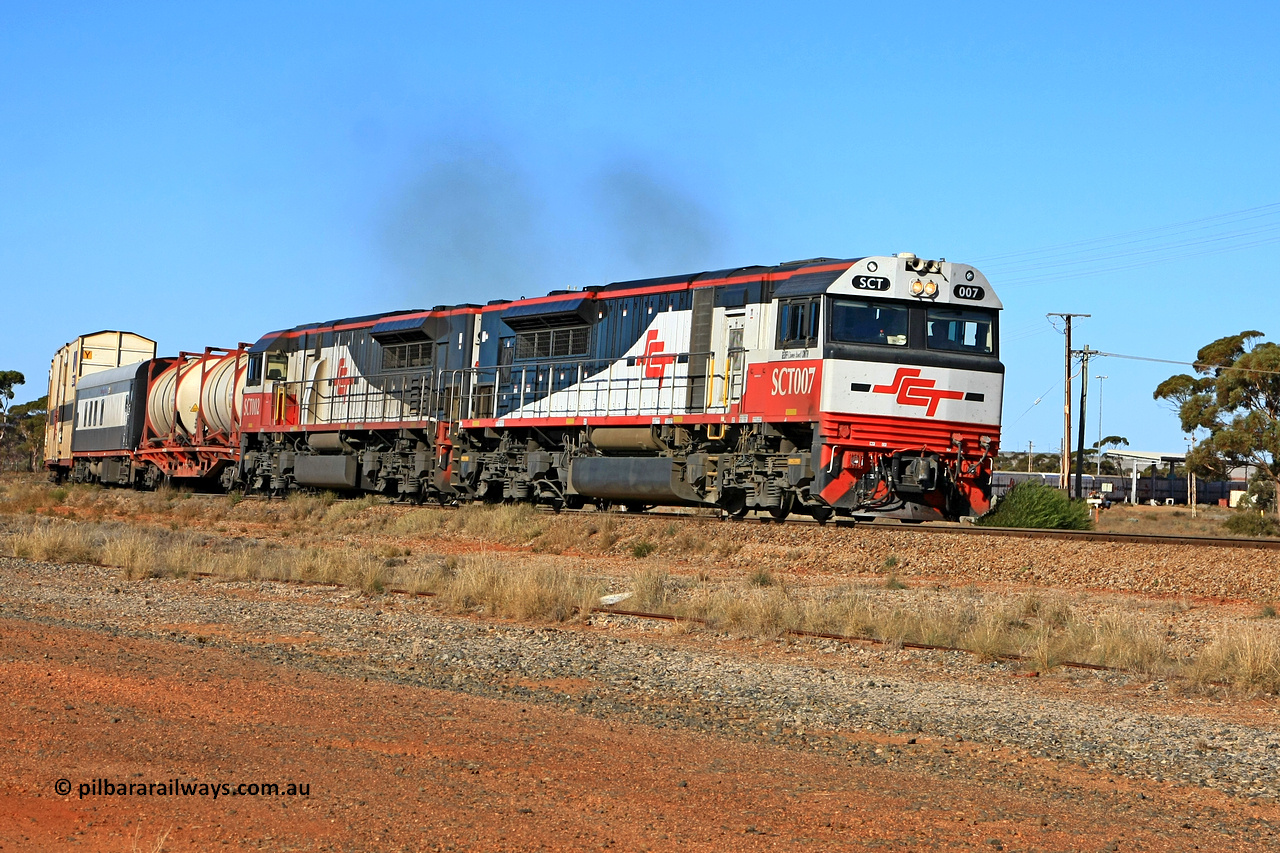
142, 552
497, 588
652, 590
70, 543
892, 581
25, 494
1246, 658
136, 553
523, 525
507, 524
1046, 629
1122, 642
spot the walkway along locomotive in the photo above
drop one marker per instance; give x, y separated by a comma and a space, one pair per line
866, 386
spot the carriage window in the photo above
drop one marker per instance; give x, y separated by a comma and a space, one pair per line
798, 323
857, 321
961, 331
277, 367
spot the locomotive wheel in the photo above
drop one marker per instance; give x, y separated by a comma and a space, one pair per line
735, 505
782, 510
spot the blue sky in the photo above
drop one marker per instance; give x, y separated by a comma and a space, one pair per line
203, 174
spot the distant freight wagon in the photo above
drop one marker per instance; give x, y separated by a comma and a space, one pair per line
1120, 488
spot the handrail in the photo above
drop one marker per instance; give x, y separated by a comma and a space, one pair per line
534, 388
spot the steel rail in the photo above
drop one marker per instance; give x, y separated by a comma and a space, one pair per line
1085, 535
945, 527
942, 528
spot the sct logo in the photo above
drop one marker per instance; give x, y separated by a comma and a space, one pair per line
654, 360
344, 379
793, 380
914, 391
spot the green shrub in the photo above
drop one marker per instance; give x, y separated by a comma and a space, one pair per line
643, 548
1033, 504
1252, 523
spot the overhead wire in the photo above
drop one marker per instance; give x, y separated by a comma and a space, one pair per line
1225, 232
1199, 367
1047, 392
1177, 227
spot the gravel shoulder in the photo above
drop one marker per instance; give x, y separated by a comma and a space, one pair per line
780, 744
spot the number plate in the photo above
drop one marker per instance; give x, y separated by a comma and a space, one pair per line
870, 282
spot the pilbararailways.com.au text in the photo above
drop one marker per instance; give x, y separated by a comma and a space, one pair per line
180, 788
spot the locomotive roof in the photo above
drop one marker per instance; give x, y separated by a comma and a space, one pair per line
753, 271
708, 277
792, 278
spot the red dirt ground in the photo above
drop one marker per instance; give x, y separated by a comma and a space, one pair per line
394, 767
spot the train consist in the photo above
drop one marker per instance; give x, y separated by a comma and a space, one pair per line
869, 386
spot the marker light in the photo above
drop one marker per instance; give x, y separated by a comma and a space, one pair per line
931, 288
917, 287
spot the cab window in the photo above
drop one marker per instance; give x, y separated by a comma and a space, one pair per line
955, 330
277, 367
253, 376
798, 323
862, 321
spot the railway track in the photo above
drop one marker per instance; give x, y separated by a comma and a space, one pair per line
1087, 535
953, 528
958, 529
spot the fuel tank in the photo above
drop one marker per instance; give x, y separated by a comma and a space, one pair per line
643, 479
212, 384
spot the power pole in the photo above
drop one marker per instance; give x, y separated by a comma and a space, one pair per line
1066, 407
1101, 379
1084, 355
1030, 448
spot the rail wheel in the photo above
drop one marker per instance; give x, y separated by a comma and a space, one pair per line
734, 505
783, 509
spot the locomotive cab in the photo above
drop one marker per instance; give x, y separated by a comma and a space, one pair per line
912, 389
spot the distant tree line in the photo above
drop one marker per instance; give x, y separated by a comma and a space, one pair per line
1232, 404
21, 426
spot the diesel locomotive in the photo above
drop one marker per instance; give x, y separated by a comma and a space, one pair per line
869, 386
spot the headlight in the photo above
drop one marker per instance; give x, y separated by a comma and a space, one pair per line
917, 287
931, 288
